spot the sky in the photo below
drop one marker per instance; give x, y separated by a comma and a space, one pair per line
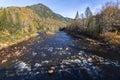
66, 8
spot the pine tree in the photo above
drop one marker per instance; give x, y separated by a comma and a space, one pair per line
77, 15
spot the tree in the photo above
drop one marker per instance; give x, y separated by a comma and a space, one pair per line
3, 20
88, 12
111, 17
117, 4
82, 17
98, 23
89, 20
77, 15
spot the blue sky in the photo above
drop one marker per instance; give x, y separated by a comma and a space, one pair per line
67, 8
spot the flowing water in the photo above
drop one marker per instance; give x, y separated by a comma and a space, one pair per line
55, 57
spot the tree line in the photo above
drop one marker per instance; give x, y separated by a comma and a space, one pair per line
107, 20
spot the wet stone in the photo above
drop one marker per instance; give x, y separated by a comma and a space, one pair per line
43, 54
3, 61
67, 49
90, 59
62, 66
45, 62
37, 65
34, 53
77, 60
22, 66
51, 72
50, 49
53, 68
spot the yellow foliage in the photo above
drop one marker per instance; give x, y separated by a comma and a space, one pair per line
111, 37
108, 35
24, 15
5, 32
26, 30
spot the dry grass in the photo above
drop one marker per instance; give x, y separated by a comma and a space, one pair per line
111, 37
49, 32
12, 42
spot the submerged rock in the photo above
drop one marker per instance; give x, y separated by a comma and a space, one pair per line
90, 60
37, 65
43, 54
67, 49
45, 62
77, 60
62, 66
53, 68
22, 66
50, 49
34, 53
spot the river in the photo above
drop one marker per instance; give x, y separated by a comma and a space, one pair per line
56, 57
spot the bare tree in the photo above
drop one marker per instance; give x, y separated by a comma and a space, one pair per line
82, 17
88, 12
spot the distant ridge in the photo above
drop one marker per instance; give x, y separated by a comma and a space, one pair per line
46, 12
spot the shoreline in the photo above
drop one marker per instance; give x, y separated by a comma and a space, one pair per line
105, 49
27, 37
2, 46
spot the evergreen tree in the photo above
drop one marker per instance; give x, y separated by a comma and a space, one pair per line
77, 15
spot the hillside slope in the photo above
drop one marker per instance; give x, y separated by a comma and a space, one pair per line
16, 19
18, 22
46, 12
24, 19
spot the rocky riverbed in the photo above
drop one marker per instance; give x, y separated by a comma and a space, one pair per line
59, 57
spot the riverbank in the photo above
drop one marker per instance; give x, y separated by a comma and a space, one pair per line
18, 47
23, 38
99, 47
58, 56
26, 37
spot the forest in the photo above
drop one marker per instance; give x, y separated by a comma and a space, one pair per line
104, 25
16, 23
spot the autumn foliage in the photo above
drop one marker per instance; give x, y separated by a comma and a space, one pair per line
105, 24
18, 22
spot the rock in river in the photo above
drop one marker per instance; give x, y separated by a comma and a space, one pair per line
50, 72
22, 66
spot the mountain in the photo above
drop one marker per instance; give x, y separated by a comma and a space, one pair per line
18, 22
45, 12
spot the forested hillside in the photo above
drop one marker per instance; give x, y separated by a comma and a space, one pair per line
46, 12
15, 19
18, 22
